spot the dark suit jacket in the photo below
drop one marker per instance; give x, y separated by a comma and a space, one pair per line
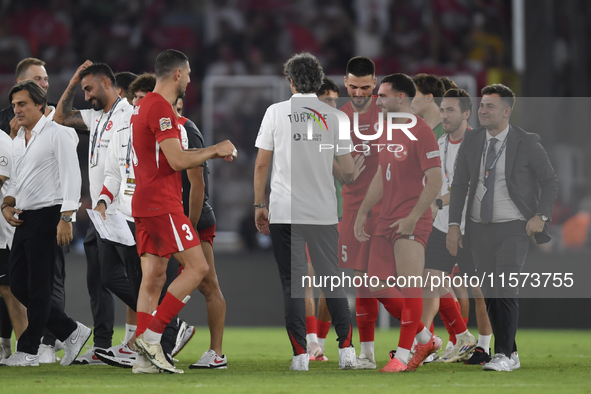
531, 180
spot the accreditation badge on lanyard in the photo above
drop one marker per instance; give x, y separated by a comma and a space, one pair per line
94, 151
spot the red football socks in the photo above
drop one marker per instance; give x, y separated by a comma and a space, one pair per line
143, 321
167, 310
411, 315
366, 311
451, 313
323, 328
311, 324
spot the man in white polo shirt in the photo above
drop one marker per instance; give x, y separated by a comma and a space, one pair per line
303, 200
45, 183
105, 271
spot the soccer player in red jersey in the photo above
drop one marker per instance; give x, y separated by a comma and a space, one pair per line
408, 178
162, 229
360, 81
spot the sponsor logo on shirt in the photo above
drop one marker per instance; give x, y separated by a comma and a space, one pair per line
109, 125
432, 154
165, 124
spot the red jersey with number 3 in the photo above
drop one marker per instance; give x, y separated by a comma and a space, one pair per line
368, 122
158, 188
403, 173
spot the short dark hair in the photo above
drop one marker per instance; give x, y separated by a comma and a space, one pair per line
448, 83
361, 66
430, 84
328, 85
462, 96
401, 83
144, 83
504, 92
124, 79
97, 69
36, 93
305, 72
24, 65
168, 61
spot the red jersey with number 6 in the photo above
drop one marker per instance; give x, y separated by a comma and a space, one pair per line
158, 187
404, 163
368, 122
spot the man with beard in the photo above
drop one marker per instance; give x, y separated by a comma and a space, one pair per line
360, 81
105, 272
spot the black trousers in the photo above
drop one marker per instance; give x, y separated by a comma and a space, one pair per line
32, 266
133, 266
500, 248
106, 275
59, 287
289, 248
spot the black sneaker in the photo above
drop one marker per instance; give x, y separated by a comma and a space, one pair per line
479, 357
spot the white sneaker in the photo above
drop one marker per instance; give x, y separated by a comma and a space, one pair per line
59, 345
465, 344
21, 359
142, 365
46, 354
499, 362
210, 359
347, 358
433, 357
89, 357
300, 362
515, 361
153, 352
183, 337
117, 356
74, 343
5, 351
366, 362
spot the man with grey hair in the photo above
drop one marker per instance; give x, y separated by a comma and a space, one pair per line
303, 203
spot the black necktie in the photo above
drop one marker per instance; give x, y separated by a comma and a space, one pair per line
486, 205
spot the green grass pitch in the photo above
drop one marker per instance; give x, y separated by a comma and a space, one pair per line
553, 361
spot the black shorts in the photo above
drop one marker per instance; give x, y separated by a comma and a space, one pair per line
437, 256
4, 253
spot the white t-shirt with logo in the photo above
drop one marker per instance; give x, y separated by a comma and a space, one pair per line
302, 185
448, 160
95, 122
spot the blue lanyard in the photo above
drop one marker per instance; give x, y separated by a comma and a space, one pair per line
494, 163
104, 128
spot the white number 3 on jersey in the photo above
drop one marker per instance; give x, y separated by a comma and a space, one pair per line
187, 229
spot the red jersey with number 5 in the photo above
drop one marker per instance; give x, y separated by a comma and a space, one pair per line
368, 122
158, 187
404, 163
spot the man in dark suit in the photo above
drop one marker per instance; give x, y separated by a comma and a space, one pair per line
512, 187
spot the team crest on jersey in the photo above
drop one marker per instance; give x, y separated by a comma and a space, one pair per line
401, 152
109, 125
165, 124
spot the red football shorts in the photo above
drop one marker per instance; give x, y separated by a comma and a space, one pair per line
207, 235
381, 258
352, 253
165, 234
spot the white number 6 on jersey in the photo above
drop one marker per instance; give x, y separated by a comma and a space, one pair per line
189, 235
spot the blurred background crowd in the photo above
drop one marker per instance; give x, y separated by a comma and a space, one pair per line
230, 38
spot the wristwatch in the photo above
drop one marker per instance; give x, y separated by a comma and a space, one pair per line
66, 218
439, 203
544, 217
261, 205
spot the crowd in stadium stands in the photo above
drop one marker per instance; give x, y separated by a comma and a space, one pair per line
230, 37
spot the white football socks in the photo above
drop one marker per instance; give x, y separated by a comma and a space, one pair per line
484, 342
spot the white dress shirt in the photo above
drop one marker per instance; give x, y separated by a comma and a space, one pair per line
95, 122
45, 172
504, 209
6, 230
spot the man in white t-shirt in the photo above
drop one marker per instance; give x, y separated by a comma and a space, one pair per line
303, 202
456, 108
109, 115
